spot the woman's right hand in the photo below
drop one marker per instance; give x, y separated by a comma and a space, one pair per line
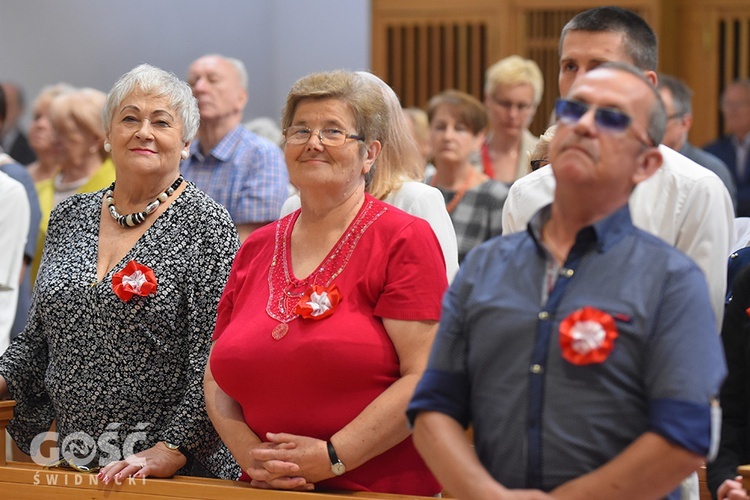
731, 489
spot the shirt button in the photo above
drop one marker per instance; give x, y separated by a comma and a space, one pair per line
536, 368
568, 273
543, 315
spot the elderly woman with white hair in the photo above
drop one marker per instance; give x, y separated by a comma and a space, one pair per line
125, 302
512, 91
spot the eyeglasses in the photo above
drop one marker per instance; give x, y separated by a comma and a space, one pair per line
570, 112
331, 137
509, 105
537, 164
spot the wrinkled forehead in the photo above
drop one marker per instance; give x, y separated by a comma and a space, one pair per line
610, 87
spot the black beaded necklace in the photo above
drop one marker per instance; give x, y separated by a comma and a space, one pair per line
132, 220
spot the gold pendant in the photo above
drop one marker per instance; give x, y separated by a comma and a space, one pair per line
279, 331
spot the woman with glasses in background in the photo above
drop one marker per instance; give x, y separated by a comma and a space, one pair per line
327, 319
512, 90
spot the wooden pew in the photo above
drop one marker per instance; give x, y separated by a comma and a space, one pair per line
20, 481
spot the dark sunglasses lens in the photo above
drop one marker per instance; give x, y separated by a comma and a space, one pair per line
570, 111
612, 119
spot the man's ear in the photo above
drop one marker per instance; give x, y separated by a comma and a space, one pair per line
688, 121
649, 162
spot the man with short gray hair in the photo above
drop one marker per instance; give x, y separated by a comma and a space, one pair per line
240, 170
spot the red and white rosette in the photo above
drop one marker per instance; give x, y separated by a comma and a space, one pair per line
134, 279
318, 302
587, 336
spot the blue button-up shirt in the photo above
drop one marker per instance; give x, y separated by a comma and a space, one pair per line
244, 172
539, 420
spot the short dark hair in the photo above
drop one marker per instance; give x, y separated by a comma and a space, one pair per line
3, 105
681, 94
640, 40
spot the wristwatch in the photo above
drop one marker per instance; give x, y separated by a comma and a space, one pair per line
337, 466
182, 450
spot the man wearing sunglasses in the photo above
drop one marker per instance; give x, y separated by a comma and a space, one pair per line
683, 203
583, 352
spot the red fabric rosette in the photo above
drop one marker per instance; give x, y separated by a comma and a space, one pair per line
587, 336
318, 302
134, 279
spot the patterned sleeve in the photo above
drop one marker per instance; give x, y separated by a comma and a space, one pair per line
190, 425
264, 188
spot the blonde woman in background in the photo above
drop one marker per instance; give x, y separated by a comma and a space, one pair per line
84, 164
538, 157
512, 90
42, 136
419, 126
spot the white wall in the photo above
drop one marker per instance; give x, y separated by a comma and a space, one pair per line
92, 42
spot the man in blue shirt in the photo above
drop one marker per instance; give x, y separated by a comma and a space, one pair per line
583, 351
240, 170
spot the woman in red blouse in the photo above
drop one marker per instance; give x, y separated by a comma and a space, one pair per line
327, 319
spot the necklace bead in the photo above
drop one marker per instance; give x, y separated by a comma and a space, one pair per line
136, 218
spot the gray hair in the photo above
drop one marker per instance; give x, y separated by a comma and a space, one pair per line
238, 66
657, 114
159, 83
681, 94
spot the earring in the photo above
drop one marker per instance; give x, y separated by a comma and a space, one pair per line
107, 147
184, 154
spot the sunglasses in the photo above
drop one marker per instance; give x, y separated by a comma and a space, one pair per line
570, 111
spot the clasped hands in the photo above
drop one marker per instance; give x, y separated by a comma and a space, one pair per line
289, 462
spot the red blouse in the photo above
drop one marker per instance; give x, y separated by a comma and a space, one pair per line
321, 374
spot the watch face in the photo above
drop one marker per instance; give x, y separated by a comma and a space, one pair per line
171, 446
338, 468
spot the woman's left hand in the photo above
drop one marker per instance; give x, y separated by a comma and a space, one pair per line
157, 461
310, 454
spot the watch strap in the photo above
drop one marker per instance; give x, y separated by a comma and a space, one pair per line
183, 450
332, 453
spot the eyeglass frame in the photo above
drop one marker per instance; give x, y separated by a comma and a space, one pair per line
320, 136
599, 121
510, 105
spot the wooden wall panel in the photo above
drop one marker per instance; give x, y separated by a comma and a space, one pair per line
422, 47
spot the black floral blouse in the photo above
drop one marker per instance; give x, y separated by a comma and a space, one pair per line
120, 376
